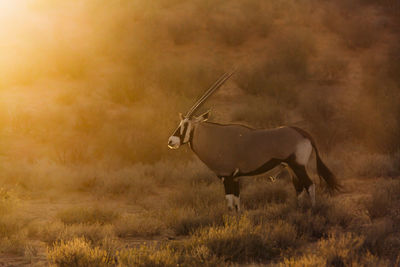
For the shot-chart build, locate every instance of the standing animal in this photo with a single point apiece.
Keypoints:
(234, 150)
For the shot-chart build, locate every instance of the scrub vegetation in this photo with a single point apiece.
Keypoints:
(90, 91)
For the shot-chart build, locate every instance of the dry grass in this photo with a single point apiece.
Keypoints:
(78, 252)
(55, 232)
(338, 250)
(85, 215)
(134, 225)
(258, 194)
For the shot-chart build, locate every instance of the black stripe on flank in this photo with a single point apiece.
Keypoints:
(269, 165)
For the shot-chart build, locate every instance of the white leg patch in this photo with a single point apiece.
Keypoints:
(303, 152)
(229, 200)
(311, 192)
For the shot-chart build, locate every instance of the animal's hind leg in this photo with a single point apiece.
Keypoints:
(303, 181)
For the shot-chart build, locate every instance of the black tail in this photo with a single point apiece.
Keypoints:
(322, 169)
(326, 174)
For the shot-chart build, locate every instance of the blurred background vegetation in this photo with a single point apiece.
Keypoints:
(87, 81)
(90, 91)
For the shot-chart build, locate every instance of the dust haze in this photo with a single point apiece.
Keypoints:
(90, 91)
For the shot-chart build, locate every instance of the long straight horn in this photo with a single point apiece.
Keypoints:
(202, 98)
(217, 84)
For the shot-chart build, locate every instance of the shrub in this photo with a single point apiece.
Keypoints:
(237, 240)
(316, 222)
(384, 200)
(378, 235)
(198, 197)
(184, 221)
(138, 225)
(56, 231)
(258, 194)
(15, 243)
(150, 256)
(135, 182)
(78, 252)
(78, 215)
(196, 202)
(338, 250)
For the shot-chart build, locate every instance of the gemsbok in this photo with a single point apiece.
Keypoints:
(235, 150)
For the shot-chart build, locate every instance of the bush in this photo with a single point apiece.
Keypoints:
(318, 221)
(138, 225)
(78, 215)
(338, 250)
(184, 221)
(238, 240)
(381, 238)
(197, 196)
(259, 194)
(56, 231)
(15, 243)
(150, 256)
(78, 252)
(384, 200)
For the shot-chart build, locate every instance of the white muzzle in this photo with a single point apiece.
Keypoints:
(174, 142)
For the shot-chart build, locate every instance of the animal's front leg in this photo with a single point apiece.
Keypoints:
(232, 193)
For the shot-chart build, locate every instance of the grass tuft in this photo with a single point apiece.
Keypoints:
(83, 215)
(78, 252)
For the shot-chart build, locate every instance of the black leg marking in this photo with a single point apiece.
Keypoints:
(297, 185)
(303, 180)
(269, 165)
(232, 186)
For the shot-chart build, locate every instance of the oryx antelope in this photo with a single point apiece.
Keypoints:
(234, 150)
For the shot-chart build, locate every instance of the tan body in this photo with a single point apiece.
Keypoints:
(229, 148)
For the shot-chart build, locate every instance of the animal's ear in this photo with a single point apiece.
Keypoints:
(181, 116)
(204, 116)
